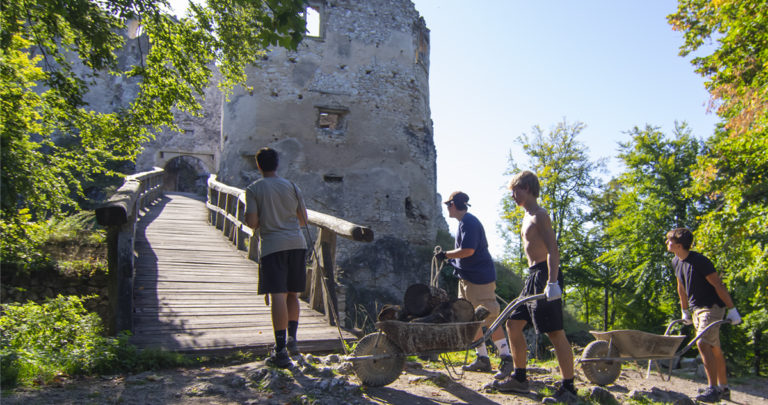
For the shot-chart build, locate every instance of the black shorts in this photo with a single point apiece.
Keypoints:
(283, 272)
(546, 316)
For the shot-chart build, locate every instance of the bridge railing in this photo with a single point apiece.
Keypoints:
(226, 207)
(119, 215)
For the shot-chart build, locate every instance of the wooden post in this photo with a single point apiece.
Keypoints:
(121, 258)
(327, 252)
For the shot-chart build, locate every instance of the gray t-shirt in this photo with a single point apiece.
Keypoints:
(276, 200)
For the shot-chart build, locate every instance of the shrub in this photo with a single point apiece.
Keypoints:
(39, 341)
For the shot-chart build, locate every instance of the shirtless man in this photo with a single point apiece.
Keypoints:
(543, 276)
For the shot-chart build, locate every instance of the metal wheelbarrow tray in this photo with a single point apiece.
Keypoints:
(379, 357)
(420, 338)
(601, 359)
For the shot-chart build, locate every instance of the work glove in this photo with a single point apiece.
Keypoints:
(553, 291)
(440, 256)
(733, 316)
(687, 318)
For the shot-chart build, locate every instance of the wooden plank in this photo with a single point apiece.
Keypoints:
(194, 291)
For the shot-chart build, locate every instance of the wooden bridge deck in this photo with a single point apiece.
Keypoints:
(194, 291)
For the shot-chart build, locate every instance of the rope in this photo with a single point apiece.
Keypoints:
(435, 268)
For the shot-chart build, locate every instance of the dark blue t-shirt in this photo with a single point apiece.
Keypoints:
(692, 273)
(478, 268)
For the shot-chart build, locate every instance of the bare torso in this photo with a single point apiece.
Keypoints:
(533, 241)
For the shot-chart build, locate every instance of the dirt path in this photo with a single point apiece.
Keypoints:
(326, 380)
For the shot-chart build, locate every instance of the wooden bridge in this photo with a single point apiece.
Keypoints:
(182, 277)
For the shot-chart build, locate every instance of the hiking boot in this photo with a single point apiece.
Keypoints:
(511, 384)
(292, 346)
(711, 394)
(565, 395)
(505, 367)
(279, 359)
(481, 363)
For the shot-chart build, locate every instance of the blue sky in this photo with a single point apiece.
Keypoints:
(498, 68)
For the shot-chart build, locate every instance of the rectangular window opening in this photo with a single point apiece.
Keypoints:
(312, 16)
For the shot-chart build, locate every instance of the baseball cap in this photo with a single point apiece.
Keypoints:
(458, 197)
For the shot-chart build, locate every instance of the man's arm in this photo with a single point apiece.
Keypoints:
(720, 289)
(544, 226)
(682, 294)
(301, 214)
(459, 253)
(252, 220)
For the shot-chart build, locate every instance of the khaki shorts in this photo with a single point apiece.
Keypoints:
(703, 317)
(481, 294)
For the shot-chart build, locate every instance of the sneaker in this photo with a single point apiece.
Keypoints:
(481, 363)
(725, 394)
(279, 359)
(292, 346)
(505, 367)
(567, 396)
(711, 394)
(511, 384)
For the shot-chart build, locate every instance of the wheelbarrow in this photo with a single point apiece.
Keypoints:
(601, 359)
(379, 357)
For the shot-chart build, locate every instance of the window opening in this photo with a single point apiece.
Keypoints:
(312, 16)
(329, 120)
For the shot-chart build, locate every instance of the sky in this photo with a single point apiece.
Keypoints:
(500, 67)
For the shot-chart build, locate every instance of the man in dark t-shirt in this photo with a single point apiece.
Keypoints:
(477, 279)
(701, 291)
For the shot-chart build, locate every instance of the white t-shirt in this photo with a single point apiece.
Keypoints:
(276, 200)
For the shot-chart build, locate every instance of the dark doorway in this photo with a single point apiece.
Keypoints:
(186, 174)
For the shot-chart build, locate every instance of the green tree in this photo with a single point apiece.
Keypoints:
(649, 203)
(53, 142)
(568, 178)
(733, 174)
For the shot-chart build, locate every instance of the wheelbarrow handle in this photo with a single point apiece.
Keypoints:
(504, 315)
(699, 335)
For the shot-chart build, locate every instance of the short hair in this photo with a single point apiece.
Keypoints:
(682, 236)
(526, 179)
(267, 159)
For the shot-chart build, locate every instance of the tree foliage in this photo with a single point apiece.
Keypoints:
(650, 203)
(53, 142)
(733, 174)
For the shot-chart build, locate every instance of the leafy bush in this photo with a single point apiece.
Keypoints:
(20, 241)
(38, 341)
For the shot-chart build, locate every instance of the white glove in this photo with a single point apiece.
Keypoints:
(552, 291)
(733, 316)
(687, 319)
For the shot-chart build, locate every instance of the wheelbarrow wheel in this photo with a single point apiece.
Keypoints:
(601, 372)
(378, 372)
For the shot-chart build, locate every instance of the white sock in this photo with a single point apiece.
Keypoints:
(481, 350)
(503, 347)
(722, 387)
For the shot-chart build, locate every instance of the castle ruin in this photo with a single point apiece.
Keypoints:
(349, 113)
